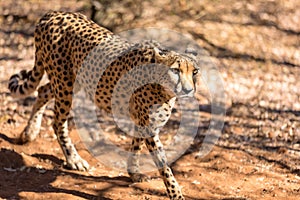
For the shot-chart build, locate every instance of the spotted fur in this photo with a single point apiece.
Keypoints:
(63, 41)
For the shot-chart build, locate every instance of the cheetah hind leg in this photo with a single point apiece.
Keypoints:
(133, 163)
(34, 123)
(62, 107)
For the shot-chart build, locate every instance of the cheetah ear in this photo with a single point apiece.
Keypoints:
(191, 50)
(160, 52)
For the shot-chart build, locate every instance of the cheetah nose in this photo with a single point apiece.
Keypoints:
(187, 91)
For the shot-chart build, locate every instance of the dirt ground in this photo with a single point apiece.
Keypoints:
(256, 47)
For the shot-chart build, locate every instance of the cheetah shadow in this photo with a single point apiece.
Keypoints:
(9, 139)
(16, 177)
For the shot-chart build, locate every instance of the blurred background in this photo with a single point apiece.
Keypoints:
(255, 45)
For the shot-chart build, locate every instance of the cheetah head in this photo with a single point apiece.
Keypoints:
(182, 71)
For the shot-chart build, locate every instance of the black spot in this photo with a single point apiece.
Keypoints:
(14, 88)
(69, 84)
(32, 79)
(26, 85)
(167, 175)
(152, 143)
(21, 89)
(168, 191)
(36, 73)
(62, 110)
(15, 76)
(67, 152)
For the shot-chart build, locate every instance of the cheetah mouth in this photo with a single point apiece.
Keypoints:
(189, 95)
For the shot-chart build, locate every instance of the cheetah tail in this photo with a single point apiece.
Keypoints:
(30, 81)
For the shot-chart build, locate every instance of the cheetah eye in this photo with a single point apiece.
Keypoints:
(175, 70)
(195, 72)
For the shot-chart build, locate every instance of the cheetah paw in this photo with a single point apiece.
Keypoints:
(27, 135)
(138, 177)
(77, 164)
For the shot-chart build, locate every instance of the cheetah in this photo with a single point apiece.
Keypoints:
(62, 42)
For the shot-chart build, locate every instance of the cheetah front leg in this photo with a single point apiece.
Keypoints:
(133, 164)
(61, 111)
(34, 123)
(155, 148)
